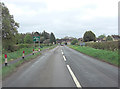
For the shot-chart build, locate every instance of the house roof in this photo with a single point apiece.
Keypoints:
(116, 36)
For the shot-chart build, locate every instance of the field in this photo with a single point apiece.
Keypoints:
(105, 55)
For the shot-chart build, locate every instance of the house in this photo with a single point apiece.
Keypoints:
(101, 39)
(80, 39)
(115, 37)
(66, 41)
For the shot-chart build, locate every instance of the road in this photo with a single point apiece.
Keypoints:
(64, 67)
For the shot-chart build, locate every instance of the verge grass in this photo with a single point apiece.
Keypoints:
(11, 68)
(18, 54)
(104, 55)
(6, 71)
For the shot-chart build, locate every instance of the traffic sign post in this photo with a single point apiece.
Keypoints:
(35, 39)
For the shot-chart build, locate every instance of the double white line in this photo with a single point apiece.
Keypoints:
(72, 74)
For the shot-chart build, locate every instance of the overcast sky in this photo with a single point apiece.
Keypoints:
(65, 17)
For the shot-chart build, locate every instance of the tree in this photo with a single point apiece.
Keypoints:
(45, 35)
(74, 41)
(89, 36)
(9, 29)
(46, 41)
(28, 39)
(41, 39)
(17, 37)
(109, 38)
(36, 34)
(52, 38)
(101, 36)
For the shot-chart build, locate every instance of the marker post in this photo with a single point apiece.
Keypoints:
(39, 49)
(23, 55)
(33, 51)
(6, 60)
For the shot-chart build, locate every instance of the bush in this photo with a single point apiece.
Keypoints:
(74, 41)
(113, 45)
(19, 46)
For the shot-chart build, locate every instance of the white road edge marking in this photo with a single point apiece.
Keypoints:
(74, 78)
(64, 58)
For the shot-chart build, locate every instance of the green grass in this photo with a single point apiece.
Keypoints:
(108, 56)
(9, 69)
(18, 54)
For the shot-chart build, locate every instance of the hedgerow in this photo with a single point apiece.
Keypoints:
(112, 45)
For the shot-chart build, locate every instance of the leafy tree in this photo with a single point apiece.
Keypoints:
(52, 38)
(47, 41)
(17, 37)
(21, 39)
(101, 36)
(74, 41)
(36, 34)
(109, 38)
(41, 39)
(89, 36)
(45, 35)
(9, 29)
(28, 39)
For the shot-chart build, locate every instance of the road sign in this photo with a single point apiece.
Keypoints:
(36, 38)
(82, 44)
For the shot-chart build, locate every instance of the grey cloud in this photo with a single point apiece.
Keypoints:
(64, 23)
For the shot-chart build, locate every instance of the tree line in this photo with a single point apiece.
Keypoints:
(90, 36)
(11, 37)
(27, 38)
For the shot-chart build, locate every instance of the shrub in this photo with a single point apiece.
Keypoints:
(74, 41)
(113, 45)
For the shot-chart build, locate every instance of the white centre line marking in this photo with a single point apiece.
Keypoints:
(62, 53)
(74, 78)
(64, 58)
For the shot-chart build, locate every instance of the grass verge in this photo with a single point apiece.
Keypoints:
(18, 54)
(6, 71)
(104, 55)
(11, 68)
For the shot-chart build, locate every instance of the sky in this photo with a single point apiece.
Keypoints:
(65, 17)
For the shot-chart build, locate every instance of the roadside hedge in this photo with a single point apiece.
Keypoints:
(20, 46)
(112, 45)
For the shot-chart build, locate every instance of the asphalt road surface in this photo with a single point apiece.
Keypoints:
(64, 67)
